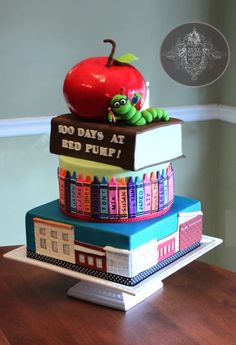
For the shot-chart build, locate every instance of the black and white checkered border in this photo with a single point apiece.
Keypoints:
(110, 276)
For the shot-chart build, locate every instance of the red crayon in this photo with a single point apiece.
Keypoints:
(79, 194)
(123, 199)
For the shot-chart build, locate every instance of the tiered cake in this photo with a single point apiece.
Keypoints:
(117, 217)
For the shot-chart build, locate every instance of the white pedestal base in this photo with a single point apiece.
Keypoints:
(111, 294)
(110, 297)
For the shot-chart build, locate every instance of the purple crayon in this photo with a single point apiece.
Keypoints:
(139, 196)
(95, 197)
(67, 191)
(161, 191)
(113, 198)
(104, 198)
(170, 181)
(147, 194)
(131, 189)
(165, 187)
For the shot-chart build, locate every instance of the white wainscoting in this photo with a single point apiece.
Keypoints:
(41, 125)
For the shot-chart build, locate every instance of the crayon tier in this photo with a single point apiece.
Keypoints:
(100, 192)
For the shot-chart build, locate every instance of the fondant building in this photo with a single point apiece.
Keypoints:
(126, 253)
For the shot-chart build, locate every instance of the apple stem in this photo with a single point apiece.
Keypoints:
(110, 57)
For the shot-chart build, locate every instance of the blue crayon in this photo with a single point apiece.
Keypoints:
(131, 189)
(104, 198)
(95, 196)
(67, 191)
(165, 183)
(161, 191)
(139, 196)
(73, 193)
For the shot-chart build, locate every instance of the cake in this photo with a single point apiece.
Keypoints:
(117, 217)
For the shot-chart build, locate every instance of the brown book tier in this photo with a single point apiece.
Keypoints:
(131, 148)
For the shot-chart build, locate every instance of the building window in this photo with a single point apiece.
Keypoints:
(53, 234)
(65, 236)
(90, 260)
(99, 263)
(42, 231)
(43, 243)
(66, 249)
(54, 246)
(81, 258)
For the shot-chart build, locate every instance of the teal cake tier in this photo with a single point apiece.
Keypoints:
(124, 236)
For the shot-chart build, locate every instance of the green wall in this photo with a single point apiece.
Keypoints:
(208, 173)
(227, 23)
(195, 175)
(41, 40)
(28, 179)
(226, 196)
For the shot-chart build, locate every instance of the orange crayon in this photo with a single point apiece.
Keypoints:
(123, 199)
(61, 180)
(87, 196)
(154, 189)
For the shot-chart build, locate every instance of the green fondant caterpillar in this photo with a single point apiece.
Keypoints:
(122, 109)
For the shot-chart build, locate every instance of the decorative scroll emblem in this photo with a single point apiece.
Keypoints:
(195, 54)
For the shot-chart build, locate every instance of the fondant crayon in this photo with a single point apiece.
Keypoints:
(73, 192)
(79, 194)
(123, 199)
(165, 184)
(87, 196)
(113, 198)
(104, 199)
(131, 190)
(67, 191)
(95, 197)
(139, 196)
(170, 180)
(147, 194)
(160, 191)
(62, 176)
(154, 188)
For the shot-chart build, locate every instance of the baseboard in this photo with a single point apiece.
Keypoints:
(204, 112)
(41, 125)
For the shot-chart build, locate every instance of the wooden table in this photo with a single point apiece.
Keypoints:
(196, 306)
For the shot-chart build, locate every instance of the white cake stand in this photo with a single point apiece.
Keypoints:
(114, 295)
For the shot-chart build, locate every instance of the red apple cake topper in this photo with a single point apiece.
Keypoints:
(87, 84)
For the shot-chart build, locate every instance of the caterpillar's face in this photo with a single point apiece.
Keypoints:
(120, 104)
